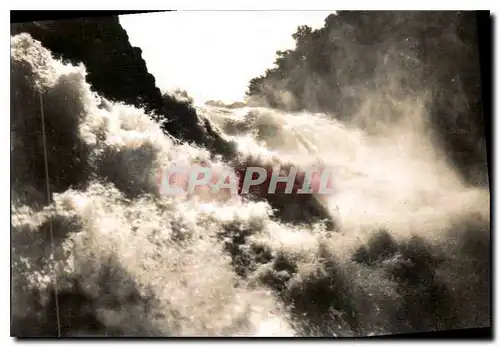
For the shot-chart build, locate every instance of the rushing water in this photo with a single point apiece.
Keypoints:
(409, 249)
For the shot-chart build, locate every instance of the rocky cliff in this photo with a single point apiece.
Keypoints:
(117, 71)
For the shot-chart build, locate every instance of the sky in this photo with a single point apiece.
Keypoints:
(214, 54)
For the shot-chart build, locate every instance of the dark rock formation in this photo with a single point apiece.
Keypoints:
(117, 71)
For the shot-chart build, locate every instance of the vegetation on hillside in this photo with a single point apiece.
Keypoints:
(388, 56)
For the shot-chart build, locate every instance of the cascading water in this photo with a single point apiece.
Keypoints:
(410, 249)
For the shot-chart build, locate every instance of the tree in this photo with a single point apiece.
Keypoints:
(357, 51)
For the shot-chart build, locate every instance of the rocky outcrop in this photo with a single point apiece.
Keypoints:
(117, 72)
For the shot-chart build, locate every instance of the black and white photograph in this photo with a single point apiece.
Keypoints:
(269, 173)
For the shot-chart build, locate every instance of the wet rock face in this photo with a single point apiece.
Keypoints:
(115, 68)
(117, 71)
